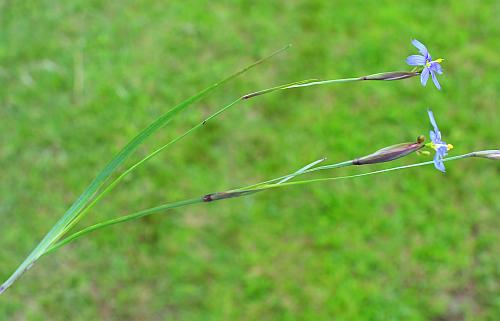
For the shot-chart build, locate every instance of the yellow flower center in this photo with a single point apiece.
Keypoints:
(436, 146)
(428, 63)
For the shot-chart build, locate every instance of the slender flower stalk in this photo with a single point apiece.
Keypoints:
(382, 155)
(386, 76)
(271, 186)
(208, 198)
(94, 192)
(383, 76)
(98, 188)
(424, 66)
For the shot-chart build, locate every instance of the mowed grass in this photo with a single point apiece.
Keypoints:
(80, 78)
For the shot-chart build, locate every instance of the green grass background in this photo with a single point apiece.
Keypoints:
(78, 79)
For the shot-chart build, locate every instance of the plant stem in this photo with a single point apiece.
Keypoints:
(113, 184)
(122, 219)
(238, 193)
(269, 186)
(385, 76)
(319, 168)
(303, 83)
(73, 214)
(325, 82)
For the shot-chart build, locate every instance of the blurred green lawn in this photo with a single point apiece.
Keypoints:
(80, 78)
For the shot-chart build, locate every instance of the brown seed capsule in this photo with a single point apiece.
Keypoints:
(391, 153)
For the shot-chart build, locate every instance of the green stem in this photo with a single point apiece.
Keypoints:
(72, 215)
(122, 219)
(113, 184)
(80, 213)
(237, 193)
(272, 89)
(269, 186)
(319, 168)
(302, 83)
(325, 82)
(391, 75)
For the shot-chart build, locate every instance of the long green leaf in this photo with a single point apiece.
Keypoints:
(59, 228)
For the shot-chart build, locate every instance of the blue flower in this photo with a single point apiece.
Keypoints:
(437, 144)
(431, 67)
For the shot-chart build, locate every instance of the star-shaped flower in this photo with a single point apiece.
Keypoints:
(430, 67)
(437, 144)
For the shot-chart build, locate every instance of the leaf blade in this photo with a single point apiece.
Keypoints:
(92, 189)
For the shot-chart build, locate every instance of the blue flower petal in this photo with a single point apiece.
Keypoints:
(420, 46)
(438, 163)
(435, 66)
(440, 146)
(434, 79)
(432, 135)
(432, 119)
(424, 76)
(415, 60)
(436, 134)
(442, 150)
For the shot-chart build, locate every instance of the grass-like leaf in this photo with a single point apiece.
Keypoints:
(72, 215)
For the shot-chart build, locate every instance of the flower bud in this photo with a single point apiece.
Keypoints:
(493, 154)
(390, 153)
(392, 75)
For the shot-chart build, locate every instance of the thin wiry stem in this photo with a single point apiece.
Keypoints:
(302, 83)
(270, 186)
(122, 219)
(113, 184)
(384, 76)
(289, 176)
(73, 214)
(237, 193)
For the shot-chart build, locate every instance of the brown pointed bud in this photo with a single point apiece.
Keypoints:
(390, 153)
(493, 154)
(392, 75)
(223, 195)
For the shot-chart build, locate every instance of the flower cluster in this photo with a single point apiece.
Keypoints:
(432, 68)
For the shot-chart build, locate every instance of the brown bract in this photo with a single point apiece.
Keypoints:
(390, 153)
(392, 75)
